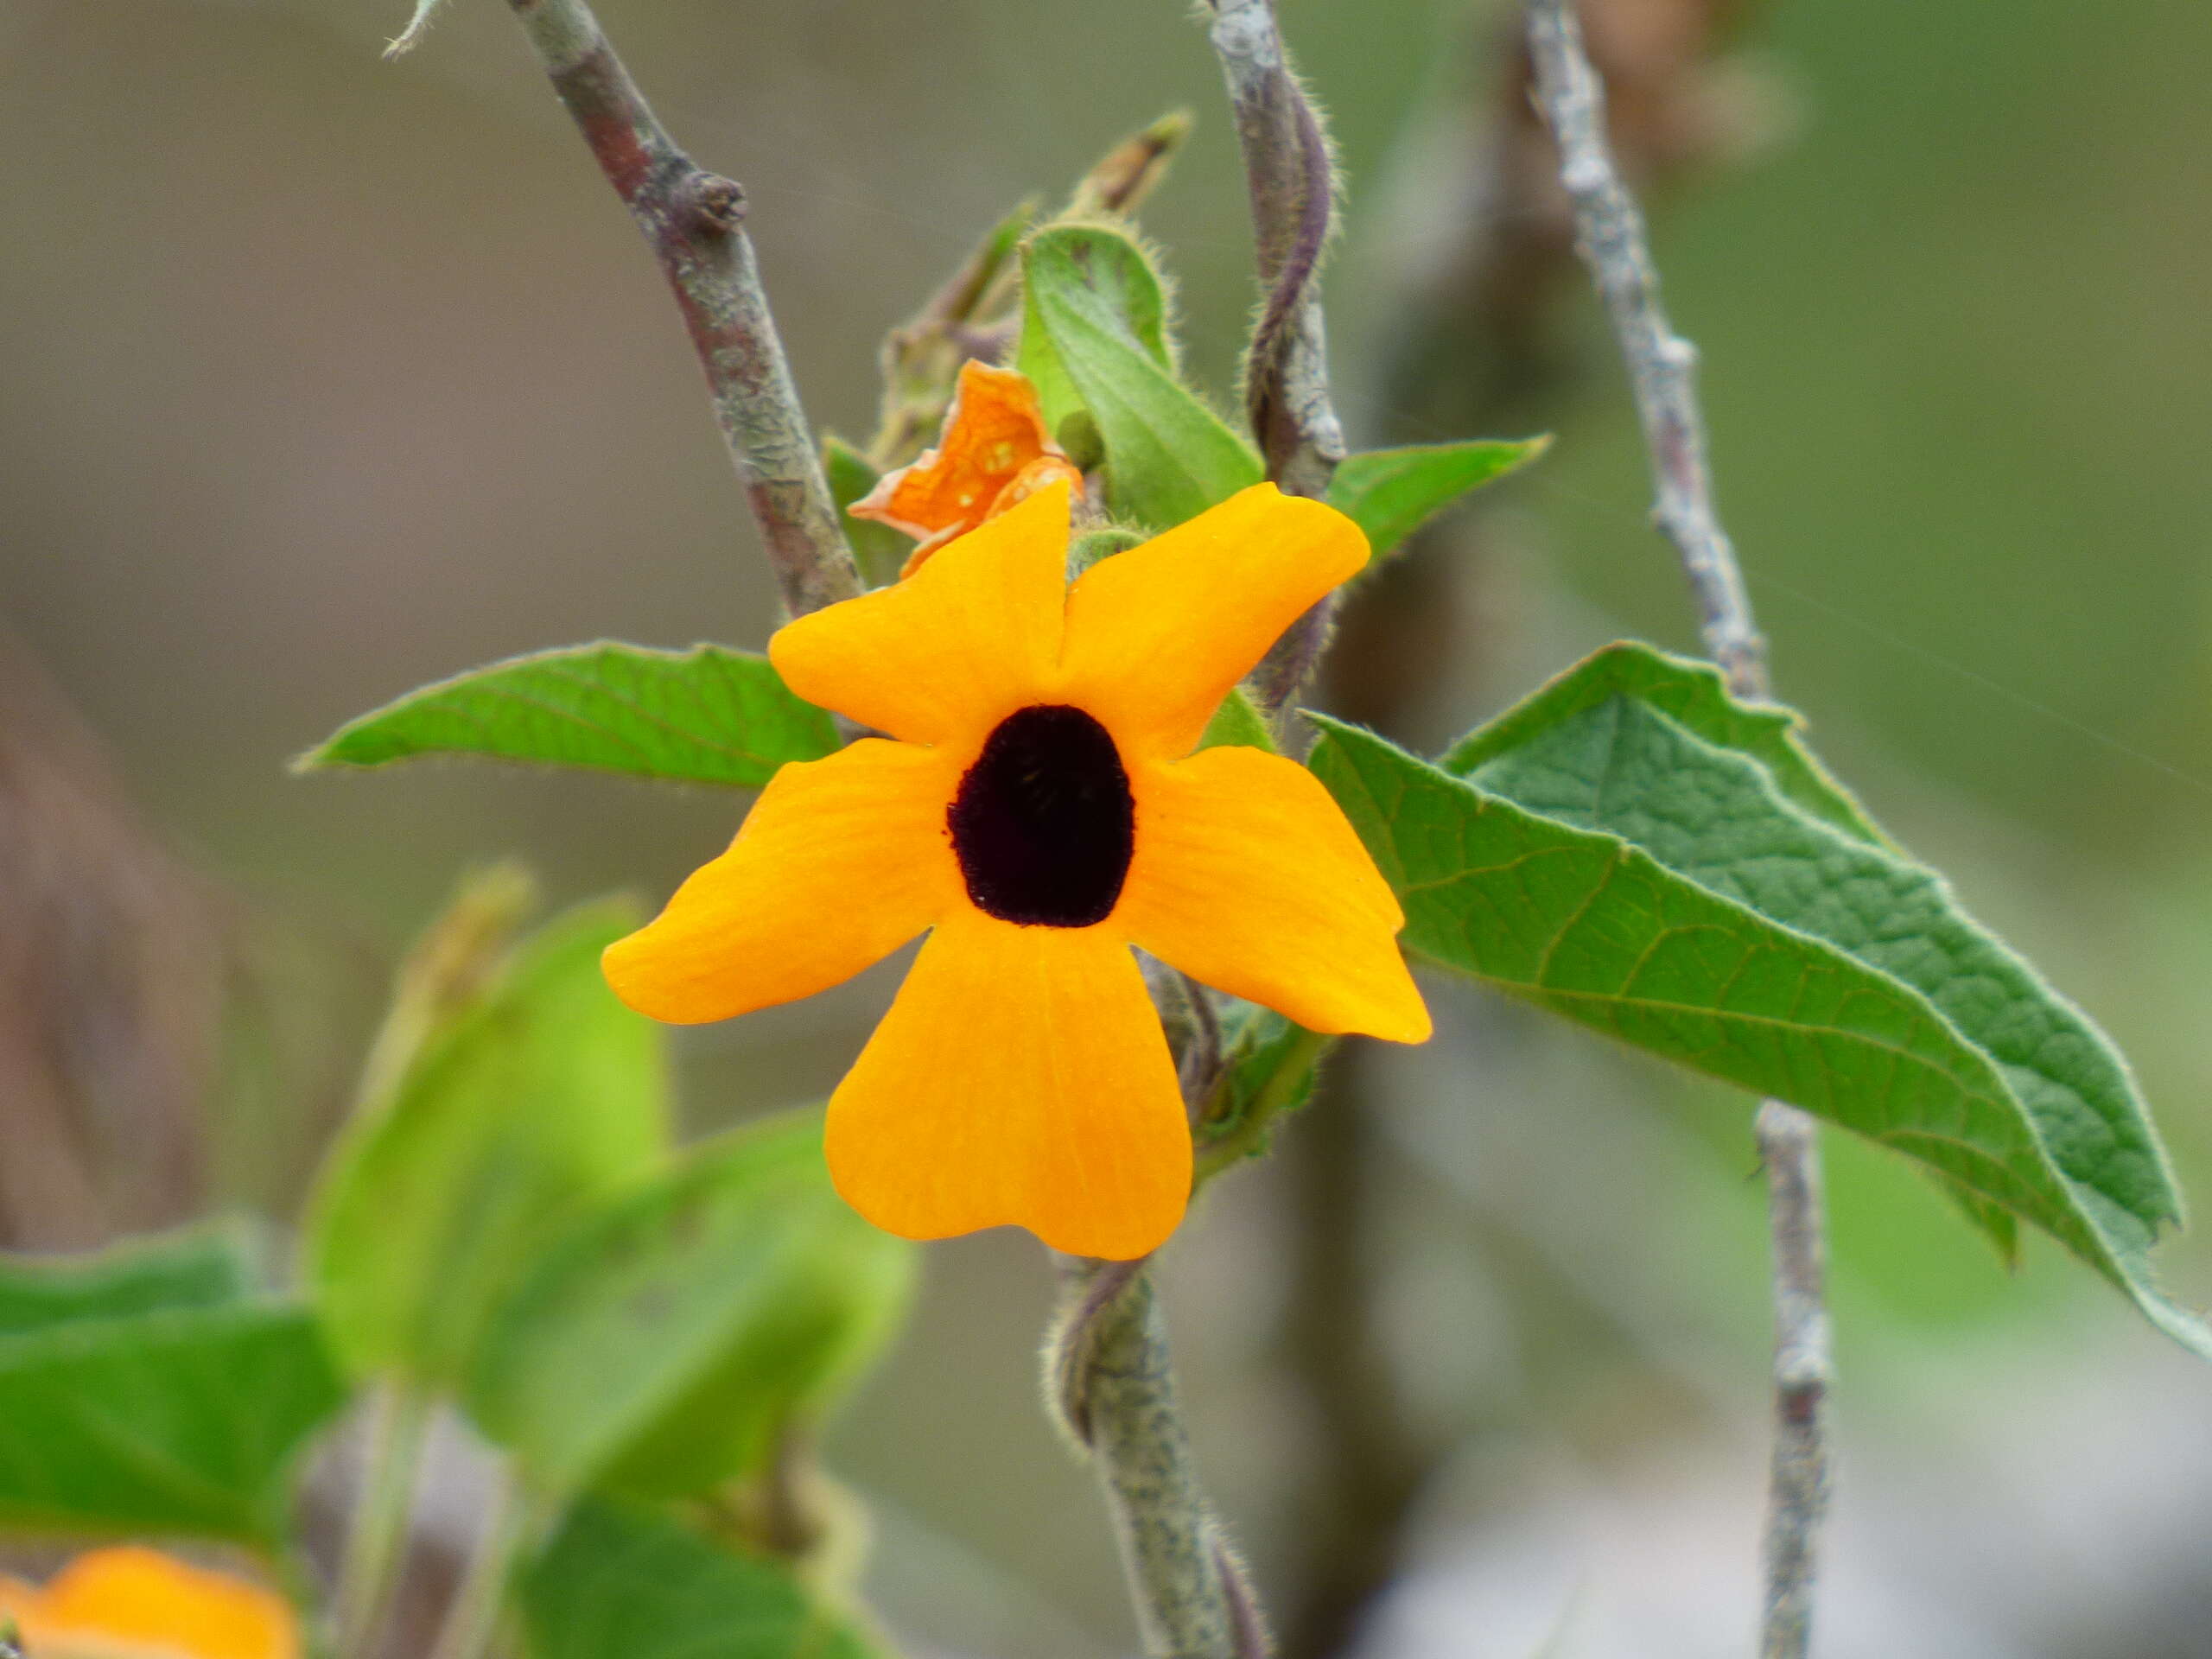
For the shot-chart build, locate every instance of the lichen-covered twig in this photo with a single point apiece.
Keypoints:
(1800, 1479)
(1110, 1374)
(1292, 181)
(1663, 367)
(693, 220)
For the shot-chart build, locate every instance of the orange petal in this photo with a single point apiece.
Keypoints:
(943, 655)
(1021, 1077)
(1157, 636)
(144, 1598)
(1038, 475)
(994, 429)
(839, 863)
(1247, 878)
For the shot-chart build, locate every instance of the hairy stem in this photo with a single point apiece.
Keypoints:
(1800, 1478)
(1290, 176)
(377, 1541)
(693, 220)
(1116, 1386)
(1663, 367)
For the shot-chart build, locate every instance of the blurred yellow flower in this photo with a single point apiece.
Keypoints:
(1038, 812)
(138, 1603)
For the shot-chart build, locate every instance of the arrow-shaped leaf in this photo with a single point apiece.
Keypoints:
(1616, 866)
(705, 715)
(1390, 493)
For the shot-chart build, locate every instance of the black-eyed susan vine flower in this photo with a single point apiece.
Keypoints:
(1038, 810)
(130, 1602)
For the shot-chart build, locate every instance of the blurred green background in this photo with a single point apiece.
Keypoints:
(324, 377)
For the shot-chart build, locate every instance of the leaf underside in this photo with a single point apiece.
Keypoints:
(541, 1099)
(1607, 860)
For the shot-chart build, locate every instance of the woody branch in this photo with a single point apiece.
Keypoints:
(693, 220)
(1662, 365)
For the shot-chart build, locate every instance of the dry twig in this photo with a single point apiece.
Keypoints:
(693, 220)
(1662, 369)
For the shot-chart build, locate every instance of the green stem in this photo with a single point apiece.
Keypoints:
(377, 1540)
(1116, 1388)
(480, 1605)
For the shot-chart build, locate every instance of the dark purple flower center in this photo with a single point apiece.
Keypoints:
(1044, 823)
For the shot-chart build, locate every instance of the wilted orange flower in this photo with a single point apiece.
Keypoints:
(1038, 812)
(992, 454)
(139, 1603)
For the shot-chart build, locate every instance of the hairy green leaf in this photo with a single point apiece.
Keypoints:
(1693, 693)
(881, 550)
(1618, 869)
(705, 715)
(545, 1097)
(1238, 722)
(198, 1267)
(622, 1582)
(1390, 493)
(184, 1420)
(1094, 341)
(658, 1348)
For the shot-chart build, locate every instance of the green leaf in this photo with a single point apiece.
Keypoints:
(881, 550)
(658, 1348)
(1390, 493)
(1618, 869)
(1690, 691)
(185, 1420)
(198, 1267)
(1094, 341)
(1110, 278)
(1239, 724)
(545, 1097)
(621, 1582)
(705, 715)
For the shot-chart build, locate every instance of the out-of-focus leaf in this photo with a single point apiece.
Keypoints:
(1615, 867)
(184, 1420)
(619, 1581)
(705, 715)
(544, 1099)
(1390, 493)
(198, 1266)
(1094, 341)
(660, 1346)
(881, 550)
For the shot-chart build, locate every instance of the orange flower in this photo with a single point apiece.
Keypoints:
(992, 454)
(139, 1603)
(1038, 812)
